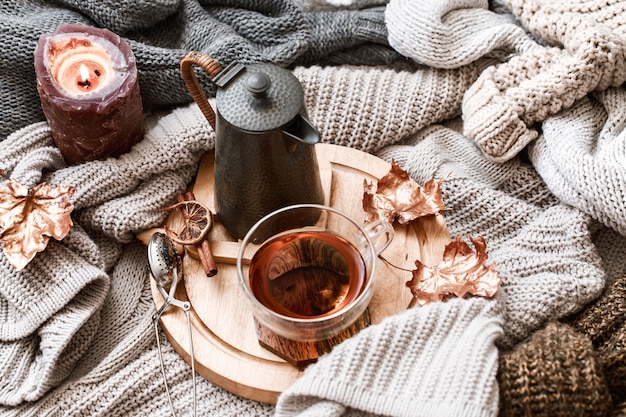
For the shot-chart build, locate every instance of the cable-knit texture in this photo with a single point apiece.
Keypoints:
(586, 52)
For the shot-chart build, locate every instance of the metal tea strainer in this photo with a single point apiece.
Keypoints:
(164, 263)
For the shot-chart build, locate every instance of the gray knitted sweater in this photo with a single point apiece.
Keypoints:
(435, 85)
(161, 32)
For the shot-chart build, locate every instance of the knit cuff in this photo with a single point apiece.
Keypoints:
(370, 25)
(501, 108)
(494, 120)
(439, 359)
(342, 29)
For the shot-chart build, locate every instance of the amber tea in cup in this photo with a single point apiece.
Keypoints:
(307, 274)
(308, 270)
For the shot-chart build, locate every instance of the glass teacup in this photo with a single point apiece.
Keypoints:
(308, 270)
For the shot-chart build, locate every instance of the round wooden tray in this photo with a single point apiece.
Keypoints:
(226, 349)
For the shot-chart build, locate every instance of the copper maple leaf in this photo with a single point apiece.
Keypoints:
(398, 197)
(461, 272)
(28, 218)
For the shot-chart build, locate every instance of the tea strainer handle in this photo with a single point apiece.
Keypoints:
(212, 67)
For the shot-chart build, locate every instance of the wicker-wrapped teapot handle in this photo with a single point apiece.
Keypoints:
(191, 81)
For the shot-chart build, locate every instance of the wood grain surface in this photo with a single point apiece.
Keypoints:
(226, 348)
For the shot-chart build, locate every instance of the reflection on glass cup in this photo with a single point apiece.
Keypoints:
(308, 270)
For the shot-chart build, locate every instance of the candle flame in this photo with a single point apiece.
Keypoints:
(84, 73)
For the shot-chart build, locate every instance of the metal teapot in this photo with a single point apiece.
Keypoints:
(264, 153)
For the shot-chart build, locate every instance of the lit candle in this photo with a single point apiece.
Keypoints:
(87, 83)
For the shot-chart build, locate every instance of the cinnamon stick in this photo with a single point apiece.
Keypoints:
(204, 248)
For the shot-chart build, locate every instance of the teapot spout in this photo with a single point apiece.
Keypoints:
(301, 129)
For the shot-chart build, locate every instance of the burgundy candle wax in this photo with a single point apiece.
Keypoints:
(87, 83)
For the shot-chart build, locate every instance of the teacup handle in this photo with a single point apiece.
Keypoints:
(191, 81)
(381, 234)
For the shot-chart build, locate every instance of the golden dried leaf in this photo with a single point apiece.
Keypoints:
(197, 220)
(461, 272)
(28, 218)
(398, 197)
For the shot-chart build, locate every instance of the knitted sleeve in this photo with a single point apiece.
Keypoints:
(452, 33)
(582, 153)
(311, 5)
(440, 359)
(50, 310)
(588, 53)
(121, 16)
(345, 37)
(367, 108)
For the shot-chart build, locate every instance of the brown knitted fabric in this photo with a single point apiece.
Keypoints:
(619, 410)
(554, 373)
(604, 321)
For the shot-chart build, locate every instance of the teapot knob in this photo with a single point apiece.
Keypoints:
(257, 83)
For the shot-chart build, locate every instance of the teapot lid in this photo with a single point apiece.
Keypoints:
(258, 97)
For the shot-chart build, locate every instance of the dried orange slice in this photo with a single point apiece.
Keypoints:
(197, 220)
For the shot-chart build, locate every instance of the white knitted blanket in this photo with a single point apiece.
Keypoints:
(522, 105)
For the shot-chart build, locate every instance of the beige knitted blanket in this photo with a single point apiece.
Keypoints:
(521, 104)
